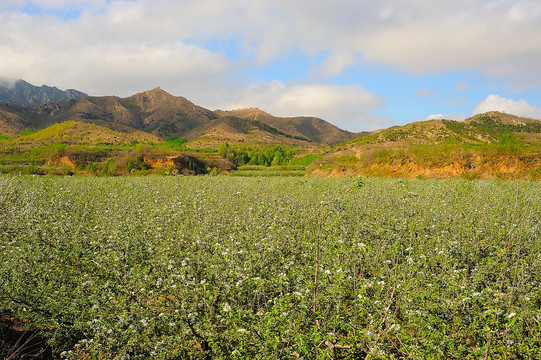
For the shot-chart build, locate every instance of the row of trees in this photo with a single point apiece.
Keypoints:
(257, 155)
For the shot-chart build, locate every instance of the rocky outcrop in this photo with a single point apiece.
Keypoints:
(187, 164)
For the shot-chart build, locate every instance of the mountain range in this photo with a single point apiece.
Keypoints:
(163, 115)
(22, 93)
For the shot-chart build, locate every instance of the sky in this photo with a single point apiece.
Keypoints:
(359, 64)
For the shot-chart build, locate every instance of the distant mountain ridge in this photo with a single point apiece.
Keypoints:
(312, 128)
(26, 94)
(163, 115)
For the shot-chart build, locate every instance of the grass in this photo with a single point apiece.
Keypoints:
(277, 170)
(28, 132)
(266, 173)
(271, 168)
(304, 160)
(34, 170)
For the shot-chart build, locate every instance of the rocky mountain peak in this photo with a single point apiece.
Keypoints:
(20, 92)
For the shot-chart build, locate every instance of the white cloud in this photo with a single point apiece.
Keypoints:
(498, 103)
(334, 64)
(7, 82)
(419, 36)
(348, 107)
(102, 56)
(459, 35)
(49, 4)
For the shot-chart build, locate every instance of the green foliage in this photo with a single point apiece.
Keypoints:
(490, 126)
(136, 163)
(34, 170)
(58, 149)
(141, 148)
(22, 169)
(92, 168)
(241, 268)
(27, 132)
(257, 155)
(346, 159)
(14, 156)
(365, 139)
(458, 127)
(269, 171)
(108, 168)
(175, 141)
(396, 135)
(223, 149)
(304, 160)
(358, 182)
(271, 168)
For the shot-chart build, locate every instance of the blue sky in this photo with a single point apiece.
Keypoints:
(359, 64)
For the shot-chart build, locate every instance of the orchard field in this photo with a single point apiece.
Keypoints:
(273, 268)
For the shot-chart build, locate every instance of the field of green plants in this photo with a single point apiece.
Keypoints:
(273, 268)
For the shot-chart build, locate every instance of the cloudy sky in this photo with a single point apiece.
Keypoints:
(360, 64)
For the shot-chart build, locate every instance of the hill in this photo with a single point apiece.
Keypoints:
(22, 93)
(311, 128)
(234, 130)
(154, 112)
(11, 124)
(479, 129)
(490, 145)
(163, 115)
(79, 133)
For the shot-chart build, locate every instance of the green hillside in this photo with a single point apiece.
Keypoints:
(490, 145)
